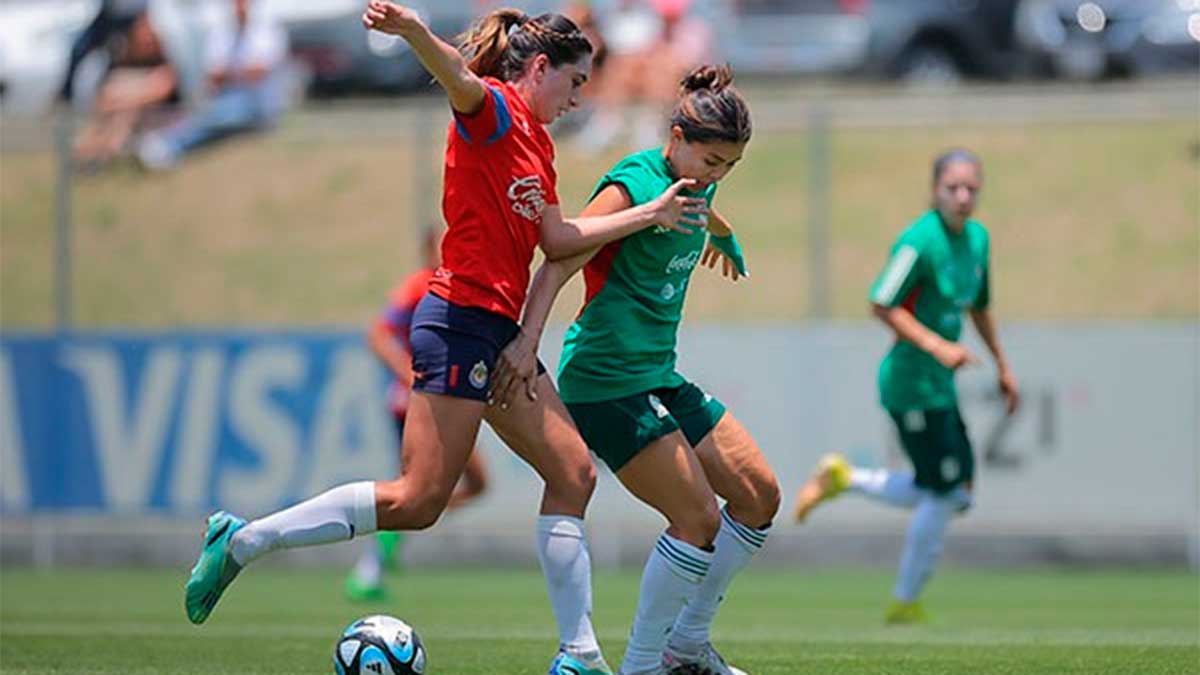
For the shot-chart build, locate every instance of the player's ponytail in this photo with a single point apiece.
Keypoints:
(710, 108)
(501, 44)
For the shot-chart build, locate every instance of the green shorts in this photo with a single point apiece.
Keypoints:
(936, 443)
(617, 430)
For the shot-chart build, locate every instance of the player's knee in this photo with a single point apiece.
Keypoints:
(401, 507)
(768, 502)
(578, 483)
(698, 526)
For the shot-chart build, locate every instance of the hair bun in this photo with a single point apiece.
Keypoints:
(711, 77)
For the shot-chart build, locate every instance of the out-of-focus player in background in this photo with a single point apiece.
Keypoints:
(939, 268)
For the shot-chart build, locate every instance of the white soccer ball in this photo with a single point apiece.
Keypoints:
(379, 645)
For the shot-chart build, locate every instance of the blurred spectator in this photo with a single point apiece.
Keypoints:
(245, 58)
(139, 82)
(651, 44)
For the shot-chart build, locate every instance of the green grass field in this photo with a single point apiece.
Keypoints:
(496, 622)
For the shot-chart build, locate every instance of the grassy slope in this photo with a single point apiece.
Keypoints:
(1088, 220)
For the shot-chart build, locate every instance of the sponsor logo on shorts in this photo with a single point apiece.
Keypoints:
(478, 376)
(667, 292)
(951, 469)
(914, 420)
(659, 408)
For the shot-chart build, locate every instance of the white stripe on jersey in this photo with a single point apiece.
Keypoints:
(894, 275)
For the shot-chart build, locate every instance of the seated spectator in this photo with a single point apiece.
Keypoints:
(245, 59)
(139, 83)
(651, 45)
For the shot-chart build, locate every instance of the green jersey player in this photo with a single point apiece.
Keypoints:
(939, 268)
(672, 445)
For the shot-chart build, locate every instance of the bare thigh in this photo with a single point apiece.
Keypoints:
(542, 433)
(667, 476)
(739, 472)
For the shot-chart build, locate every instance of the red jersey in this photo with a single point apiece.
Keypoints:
(499, 180)
(397, 319)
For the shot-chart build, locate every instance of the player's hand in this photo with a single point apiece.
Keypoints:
(954, 356)
(710, 257)
(390, 18)
(682, 214)
(1008, 387)
(516, 368)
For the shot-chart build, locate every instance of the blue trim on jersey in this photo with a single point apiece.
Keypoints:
(503, 118)
(462, 131)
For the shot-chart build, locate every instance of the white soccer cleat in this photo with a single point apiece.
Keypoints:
(704, 661)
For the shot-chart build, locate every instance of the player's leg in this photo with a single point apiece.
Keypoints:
(835, 475)
(667, 476)
(365, 581)
(541, 432)
(441, 433)
(936, 442)
(739, 473)
(443, 420)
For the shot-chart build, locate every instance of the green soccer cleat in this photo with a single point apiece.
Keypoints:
(905, 613)
(566, 663)
(358, 590)
(831, 478)
(215, 569)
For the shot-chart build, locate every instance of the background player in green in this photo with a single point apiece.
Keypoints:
(939, 268)
(669, 443)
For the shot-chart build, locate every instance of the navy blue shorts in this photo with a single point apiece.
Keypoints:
(455, 348)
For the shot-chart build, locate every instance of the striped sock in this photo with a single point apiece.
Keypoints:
(736, 544)
(673, 571)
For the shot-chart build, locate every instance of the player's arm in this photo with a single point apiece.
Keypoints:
(463, 87)
(518, 361)
(986, 325)
(383, 343)
(723, 245)
(568, 237)
(901, 277)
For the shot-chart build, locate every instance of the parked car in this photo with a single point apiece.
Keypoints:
(792, 36)
(1088, 40)
(942, 41)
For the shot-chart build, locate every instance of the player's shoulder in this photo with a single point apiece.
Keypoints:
(977, 232)
(648, 162)
(921, 232)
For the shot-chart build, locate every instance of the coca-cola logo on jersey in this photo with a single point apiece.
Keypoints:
(527, 197)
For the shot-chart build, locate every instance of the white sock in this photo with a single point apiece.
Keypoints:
(339, 514)
(563, 553)
(736, 544)
(889, 487)
(923, 544)
(369, 568)
(673, 572)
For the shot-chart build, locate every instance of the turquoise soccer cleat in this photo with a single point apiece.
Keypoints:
(567, 664)
(215, 569)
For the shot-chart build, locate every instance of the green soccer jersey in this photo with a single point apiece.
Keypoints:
(623, 341)
(937, 275)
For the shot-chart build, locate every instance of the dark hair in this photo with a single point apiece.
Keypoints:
(954, 156)
(501, 44)
(710, 108)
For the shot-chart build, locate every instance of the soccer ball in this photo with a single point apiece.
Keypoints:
(379, 645)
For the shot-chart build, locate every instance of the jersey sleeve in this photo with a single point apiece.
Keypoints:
(489, 123)
(635, 180)
(900, 275)
(984, 298)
